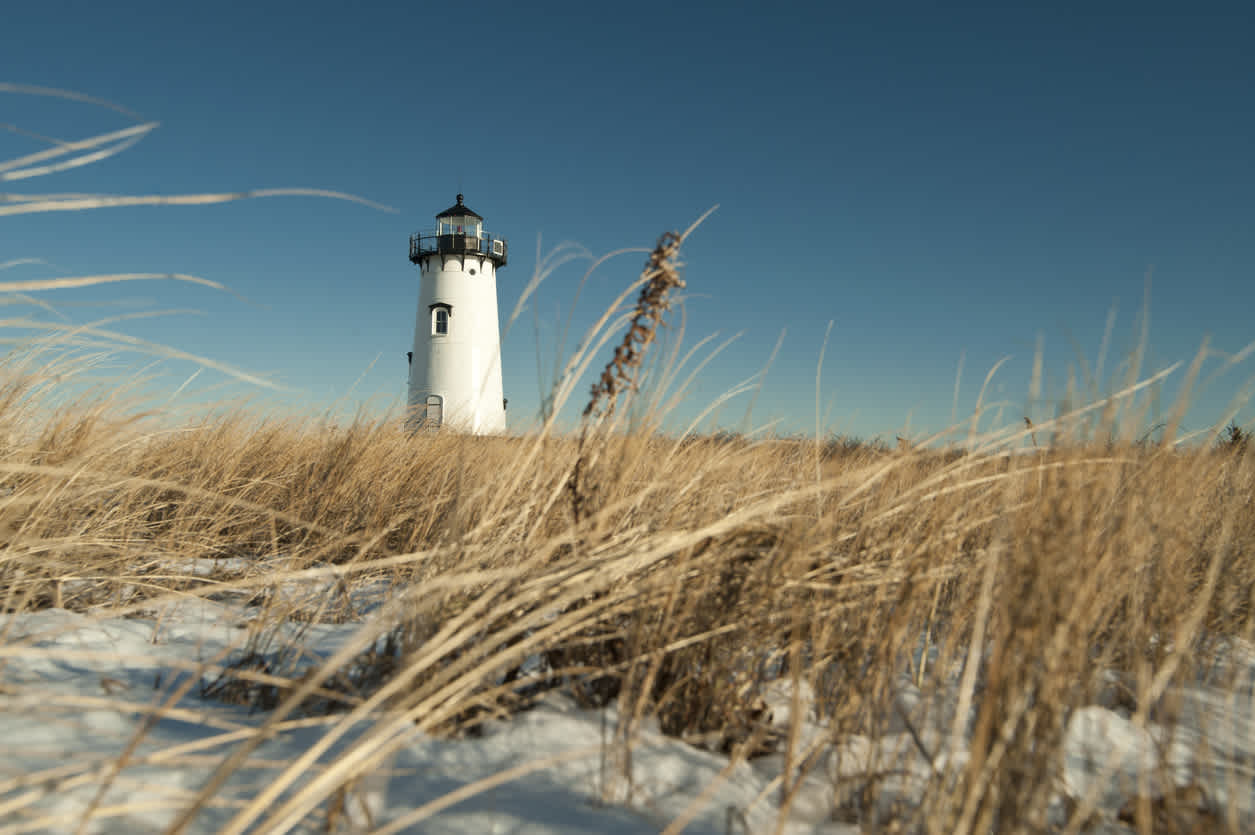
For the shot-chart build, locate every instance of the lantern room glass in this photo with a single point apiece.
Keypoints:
(463, 225)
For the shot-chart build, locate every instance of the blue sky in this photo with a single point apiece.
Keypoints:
(936, 182)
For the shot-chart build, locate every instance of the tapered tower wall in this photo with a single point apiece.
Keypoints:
(462, 366)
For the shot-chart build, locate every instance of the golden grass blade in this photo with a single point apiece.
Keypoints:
(76, 162)
(42, 304)
(123, 138)
(68, 95)
(92, 280)
(123, 340)
(33, 205)
(15, 129)
(18, 262)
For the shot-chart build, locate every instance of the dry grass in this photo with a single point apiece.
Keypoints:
(708, 567)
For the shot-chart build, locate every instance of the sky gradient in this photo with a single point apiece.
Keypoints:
(945, 186)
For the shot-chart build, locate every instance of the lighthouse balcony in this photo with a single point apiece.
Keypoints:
(424, 244)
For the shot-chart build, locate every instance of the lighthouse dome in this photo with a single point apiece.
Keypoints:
(459, 209)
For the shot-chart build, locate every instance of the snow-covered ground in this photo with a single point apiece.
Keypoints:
(79, 692)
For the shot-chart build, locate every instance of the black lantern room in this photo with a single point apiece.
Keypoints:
(459, 231)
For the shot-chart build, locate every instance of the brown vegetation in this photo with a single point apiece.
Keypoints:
(708, 567)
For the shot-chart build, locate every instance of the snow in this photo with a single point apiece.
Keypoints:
(208, 566)
(79, 691)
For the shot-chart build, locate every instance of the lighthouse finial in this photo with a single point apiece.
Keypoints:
(460, 198)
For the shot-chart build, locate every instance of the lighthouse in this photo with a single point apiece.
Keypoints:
(455, 367)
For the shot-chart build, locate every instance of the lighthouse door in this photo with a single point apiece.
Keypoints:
(435, 409)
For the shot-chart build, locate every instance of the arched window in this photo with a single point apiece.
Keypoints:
(440, 315)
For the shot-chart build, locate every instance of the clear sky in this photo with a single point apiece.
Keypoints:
(939, 183)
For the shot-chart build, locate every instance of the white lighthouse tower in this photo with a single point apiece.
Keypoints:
(455, 368)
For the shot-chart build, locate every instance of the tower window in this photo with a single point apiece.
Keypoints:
(441, 313)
